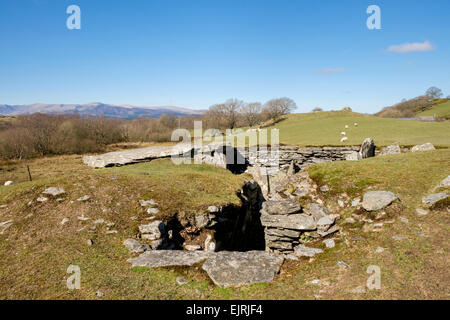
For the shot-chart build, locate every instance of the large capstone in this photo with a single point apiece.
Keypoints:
(233, 269)
(431, 199)
(167, 258)
(283, 207)
(423, 147)
(293, 221)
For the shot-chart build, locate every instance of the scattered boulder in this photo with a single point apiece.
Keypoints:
(341, 263)
(64, 221)
(444, 183)
(367, 149)
(147, 203)
(156, 233)
(135, 246)
(423, 147)
(42, 199)
(352, 156)
(393, 149)
(152, 211)
(90, 242)
(233, 269)
(376, 200)
(329, 243)
(356, 202)
(54, 191)
(293, 221)
(431, 199)
(8, 183)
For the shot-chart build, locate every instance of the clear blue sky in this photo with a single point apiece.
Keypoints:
(195, 53)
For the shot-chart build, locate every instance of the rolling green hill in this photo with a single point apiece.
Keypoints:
(440, 110)
(324, 128)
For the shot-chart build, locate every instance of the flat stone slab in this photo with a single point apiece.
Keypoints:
(169, 258)
(293, 221)
(283, 207)
(233, 269)
(377, 200)
(433, 198)
(54, 191)
(119, 158)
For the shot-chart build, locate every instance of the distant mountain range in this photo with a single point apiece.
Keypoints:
(97, 109)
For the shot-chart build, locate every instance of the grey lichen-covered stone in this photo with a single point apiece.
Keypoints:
(431, 199)
(393, 149)
(304, 251)
(119, 158)
(282, 233)
(54, 191)
(135, 246)
(167, 258)
(293, 221)
(367, 149)
(152, 231)
(331, 230)
(376, 200)
(84, 198)
(8, 183)
(317, 211)
(234, 269)
(423, 147)
(283, 207)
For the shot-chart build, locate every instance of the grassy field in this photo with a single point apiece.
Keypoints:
(324, 128)
(442, 109)
(36, 250)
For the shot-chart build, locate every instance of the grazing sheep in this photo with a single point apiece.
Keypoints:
(344, 139)
(346, 126)
(343, 133)
(355, 124)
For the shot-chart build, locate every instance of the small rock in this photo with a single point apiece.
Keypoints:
(135, 246)
(8, 183)
(398, 238)
(379, 250)
(3, 206)
(356, 202)
(329, 243)
(90, 242)
(213, 209)
(64, 221)
(42, 199)
(303, 251)
(324, 189)
(421, 212)
(349, 220)
(315, 281)
(342, 264)
(147, 203)
(111, 232)
(100, 294)
(152, 210)
(181, 281)
(403, 219)
(83, 218)
(291, 257)
(54, 191)
(83, 198)
(99, 221)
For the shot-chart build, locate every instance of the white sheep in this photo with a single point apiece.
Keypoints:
(346, 126)
(344, 139)
(355, 124)
(343, 133)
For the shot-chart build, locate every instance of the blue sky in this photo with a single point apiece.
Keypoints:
(195, 53)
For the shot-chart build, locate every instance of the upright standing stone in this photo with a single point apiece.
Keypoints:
(367, 148)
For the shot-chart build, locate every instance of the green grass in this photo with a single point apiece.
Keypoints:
(36, 250)
(324, 128)
(442, 109)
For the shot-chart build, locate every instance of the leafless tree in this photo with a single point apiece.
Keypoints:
(251, 113)
(276, 108)
(227, 113)
(434, 93)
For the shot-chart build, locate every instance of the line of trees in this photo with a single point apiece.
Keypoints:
(236, 113)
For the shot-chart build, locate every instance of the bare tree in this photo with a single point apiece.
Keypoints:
(434, 93)
(227, 113)
(276, 108)
(251, 113)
